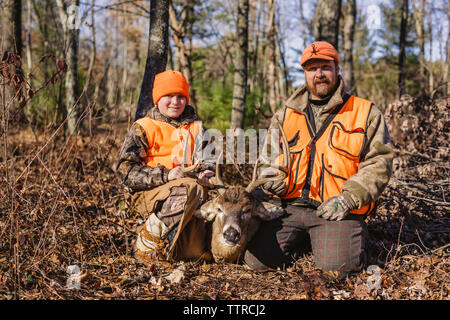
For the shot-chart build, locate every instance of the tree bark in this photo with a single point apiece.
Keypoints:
(156, 55)
(402, 55)
(447, 57)
(271, 57)
(180, 29)
(303, 24)
(12, 26)
(326, 21)
(12, 42)
(28, 39)
(419, 12)
(71, 37)
(349, 33)
(240, 67)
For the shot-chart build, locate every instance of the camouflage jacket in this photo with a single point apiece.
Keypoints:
(375, 168)
(131, 167)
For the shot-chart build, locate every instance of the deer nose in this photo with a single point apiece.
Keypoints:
(232, 235)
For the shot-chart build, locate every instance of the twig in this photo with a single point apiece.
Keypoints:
(445, 204)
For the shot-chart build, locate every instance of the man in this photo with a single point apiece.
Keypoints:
(341, 160)
(149, 165)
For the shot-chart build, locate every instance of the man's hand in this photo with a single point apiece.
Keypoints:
(175, 173)
(203, 178)
(336, 208)
(274, 187)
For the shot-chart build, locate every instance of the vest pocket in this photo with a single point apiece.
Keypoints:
(330, 184)
(348, 143)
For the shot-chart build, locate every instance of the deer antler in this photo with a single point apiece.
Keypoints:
(283, 170)
(189, 169)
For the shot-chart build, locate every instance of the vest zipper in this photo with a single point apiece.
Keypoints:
(312, 144)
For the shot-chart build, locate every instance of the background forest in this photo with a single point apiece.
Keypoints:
(75, 74)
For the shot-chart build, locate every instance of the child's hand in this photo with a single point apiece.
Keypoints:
(203, 178)
(175, 173)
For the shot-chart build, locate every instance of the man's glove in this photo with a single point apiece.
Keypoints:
(336, 208)
(274, 187)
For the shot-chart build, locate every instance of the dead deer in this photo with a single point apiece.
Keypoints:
(234, 210)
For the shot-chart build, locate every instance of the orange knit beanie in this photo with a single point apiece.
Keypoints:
(169, 82)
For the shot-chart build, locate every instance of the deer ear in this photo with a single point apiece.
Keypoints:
(268, 211)
(207, 211)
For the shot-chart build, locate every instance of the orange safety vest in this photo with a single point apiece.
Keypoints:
(321, 163)
(166, 142)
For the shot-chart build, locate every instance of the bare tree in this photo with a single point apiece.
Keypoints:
(303, 23)
(181, 28)
(11, 40)
(71, 38)
(326, 21)
(402, 55)
(156, 55)
(240, 66)
(447, 56)
(349, 34)
(419, 13)
(271, 56)
(12, 26)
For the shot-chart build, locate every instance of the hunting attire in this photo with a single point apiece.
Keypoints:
(153, 146)
(339, 147)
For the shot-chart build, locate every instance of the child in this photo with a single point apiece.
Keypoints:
(149, 165)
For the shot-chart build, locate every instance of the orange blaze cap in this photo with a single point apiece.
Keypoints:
(319, 50)
(170, 82)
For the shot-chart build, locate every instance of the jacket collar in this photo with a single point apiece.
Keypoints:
(299, 99)
(189, 115)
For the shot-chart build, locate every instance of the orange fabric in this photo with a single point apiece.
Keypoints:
(319, 50)
(169, 82)
(166, 142)
(334, 156)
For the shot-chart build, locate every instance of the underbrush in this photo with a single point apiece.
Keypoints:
(66, 230)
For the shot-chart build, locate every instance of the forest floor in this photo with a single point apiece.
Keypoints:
(62, 210)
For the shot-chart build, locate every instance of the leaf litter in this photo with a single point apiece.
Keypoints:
(63, 206)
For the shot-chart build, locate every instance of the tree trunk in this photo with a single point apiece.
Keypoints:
(72, 82)
(431, 44)
(349, 33)
(156, 55)
(71, 37)
(240, 67)
(12, 42)
(402, 55)
(326, 21)
(28, 39)
(447, 58)
(180, 29)
(12, 26)
(419, 12)
(303, 24)
(271, 57)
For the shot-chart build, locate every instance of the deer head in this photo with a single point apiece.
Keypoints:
(233, 209)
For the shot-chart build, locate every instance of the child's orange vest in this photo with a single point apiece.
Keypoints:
(166, 142)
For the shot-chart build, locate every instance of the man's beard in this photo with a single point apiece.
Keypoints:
(322, 91)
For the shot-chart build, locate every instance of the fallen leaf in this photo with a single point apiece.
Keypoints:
(177, 275)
